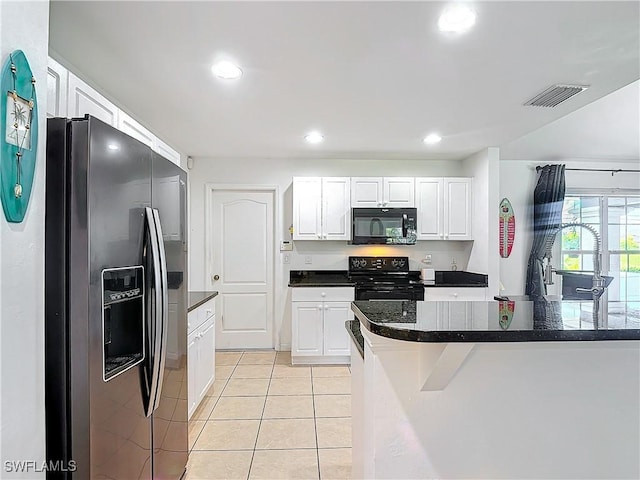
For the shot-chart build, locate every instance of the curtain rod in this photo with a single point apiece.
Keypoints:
(612, 170)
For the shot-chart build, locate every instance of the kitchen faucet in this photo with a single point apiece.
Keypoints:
(598, 284)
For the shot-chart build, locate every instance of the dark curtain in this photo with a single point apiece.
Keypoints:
(548, 198)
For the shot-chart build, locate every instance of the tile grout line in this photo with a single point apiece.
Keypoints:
(315, 426)
(264, 406)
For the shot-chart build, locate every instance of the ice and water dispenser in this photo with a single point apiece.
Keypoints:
(123, 319)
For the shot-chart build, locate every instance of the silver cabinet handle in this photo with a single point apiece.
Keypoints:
(319, 307)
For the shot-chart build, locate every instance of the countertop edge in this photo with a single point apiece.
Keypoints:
(494, 336)
(353, 328)
(208, 296)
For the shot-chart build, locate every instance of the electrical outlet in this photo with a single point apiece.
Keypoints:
(427, 259)
(308, 260)
(286, 258)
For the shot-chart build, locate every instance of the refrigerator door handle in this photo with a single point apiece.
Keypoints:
(163, 318)
(155, 333)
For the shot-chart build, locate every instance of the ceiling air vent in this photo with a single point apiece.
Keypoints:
(555, 95)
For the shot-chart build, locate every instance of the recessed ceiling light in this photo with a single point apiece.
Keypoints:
(432, 138)
(314, 137)
(226, 70)
(456, 18)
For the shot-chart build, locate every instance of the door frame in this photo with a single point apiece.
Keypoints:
(276, 268)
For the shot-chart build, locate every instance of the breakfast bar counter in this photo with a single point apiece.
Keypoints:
(510, 389)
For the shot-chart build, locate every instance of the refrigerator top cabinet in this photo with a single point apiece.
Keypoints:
(115, 358)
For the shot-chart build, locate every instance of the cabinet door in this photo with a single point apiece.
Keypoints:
(335, 335)
(192, 364)
(457, 209)
(430, 206)
(398, 192)
(134, 129)
(57, 82)
(336, 208)
(366, 192)
(307, 208)
(306, 328)
(168, 200)
(206, 347)
(455, 315)
(83, 99)
(165, 150)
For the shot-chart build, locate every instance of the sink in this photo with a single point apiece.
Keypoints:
(573, 280)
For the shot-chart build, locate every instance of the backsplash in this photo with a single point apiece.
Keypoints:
(333, 255)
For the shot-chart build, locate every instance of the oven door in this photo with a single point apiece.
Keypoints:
(389, 292)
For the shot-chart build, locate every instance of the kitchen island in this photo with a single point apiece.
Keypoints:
(493, 390)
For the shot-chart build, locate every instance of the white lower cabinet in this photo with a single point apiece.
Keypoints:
(200, 353)
(453, 308)
(451, 294)
(318, 333)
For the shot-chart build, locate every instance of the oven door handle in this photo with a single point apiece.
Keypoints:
(404, 225)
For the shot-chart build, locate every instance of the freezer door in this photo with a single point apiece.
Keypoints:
(118, 190)
(170, 427)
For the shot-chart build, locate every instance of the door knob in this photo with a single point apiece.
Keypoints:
(216, 277)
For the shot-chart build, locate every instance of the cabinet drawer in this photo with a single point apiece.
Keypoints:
(192, 321)
(207, 310)
(200, 315)
(444, 294)
(319, 294)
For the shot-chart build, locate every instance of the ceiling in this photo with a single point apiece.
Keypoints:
(607, 129)
(373, 77)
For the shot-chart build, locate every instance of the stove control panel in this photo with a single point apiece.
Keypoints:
(384, 264)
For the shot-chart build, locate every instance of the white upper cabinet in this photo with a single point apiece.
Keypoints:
(366, 192)
(457, 208)
(336, 210)
(84, 100)
(307, 206)
(321, 208)
(68, 96)
(57, 79)
(377, 192)
(134, 129)
(444, 208)
(165, 150)
(430, 206)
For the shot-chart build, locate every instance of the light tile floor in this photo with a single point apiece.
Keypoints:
(264, 419)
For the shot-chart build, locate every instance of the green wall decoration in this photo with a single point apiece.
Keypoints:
(18, 135)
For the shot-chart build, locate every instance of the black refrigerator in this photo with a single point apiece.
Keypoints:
(115, 306)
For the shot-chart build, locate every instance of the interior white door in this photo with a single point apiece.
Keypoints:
(241, 268)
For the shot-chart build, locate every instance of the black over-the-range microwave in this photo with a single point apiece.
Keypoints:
(383, 226)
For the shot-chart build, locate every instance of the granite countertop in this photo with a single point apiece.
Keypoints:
(450, 278)
(320, 278)
(195, 299)
(509, 321)
(340, 278)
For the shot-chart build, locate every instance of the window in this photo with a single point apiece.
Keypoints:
(617, 220)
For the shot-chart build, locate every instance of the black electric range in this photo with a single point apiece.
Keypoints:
(385, 278)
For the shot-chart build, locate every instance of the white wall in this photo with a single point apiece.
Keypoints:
(483, 167)
(24, 25)
(325, 255)
(517, 182)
